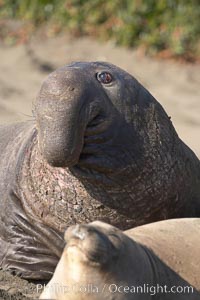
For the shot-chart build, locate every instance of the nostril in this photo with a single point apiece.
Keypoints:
(71, 89)
(79, 232)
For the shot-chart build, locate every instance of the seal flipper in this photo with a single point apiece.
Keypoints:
(28, 248)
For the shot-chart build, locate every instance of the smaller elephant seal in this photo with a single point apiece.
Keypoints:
(153, 261)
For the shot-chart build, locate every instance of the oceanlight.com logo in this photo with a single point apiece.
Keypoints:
(150, 289)
(114, 289)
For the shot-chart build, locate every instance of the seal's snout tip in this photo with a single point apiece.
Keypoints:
(89, 244)
(62, 163)
(79, 232)
(56, 154)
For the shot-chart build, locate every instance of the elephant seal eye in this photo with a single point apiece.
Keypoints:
(104, 77)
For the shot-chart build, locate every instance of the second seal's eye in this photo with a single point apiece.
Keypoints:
(104, 77)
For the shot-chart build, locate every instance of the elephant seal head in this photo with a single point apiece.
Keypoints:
(96, 244)
(95, 118)
(97, 261)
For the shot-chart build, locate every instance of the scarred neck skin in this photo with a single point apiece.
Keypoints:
(61, 199)
(125, 197)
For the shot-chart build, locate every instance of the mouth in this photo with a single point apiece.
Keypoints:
(94, 157)
(96, 126)
(79, 252)
(76, 254)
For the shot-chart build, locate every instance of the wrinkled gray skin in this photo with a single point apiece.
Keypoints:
(153, 261)
(95, 151)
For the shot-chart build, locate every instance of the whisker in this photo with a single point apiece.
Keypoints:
(26, 115)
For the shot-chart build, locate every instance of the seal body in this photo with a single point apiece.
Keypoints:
(101, 147)
(150, 261)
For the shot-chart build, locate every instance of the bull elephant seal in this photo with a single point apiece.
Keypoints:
(153, 261)
(100, 147)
